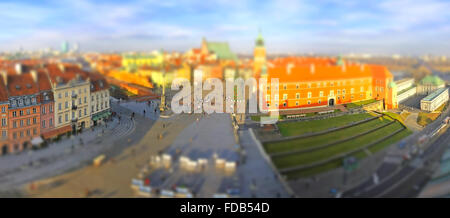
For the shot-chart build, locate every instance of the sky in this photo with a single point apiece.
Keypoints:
(407, 27)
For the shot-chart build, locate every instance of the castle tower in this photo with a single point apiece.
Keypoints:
(259, 55)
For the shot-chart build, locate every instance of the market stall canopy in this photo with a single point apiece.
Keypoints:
(37, 140)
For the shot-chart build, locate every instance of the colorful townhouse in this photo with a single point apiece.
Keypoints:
(99, 99)
(4, 104)
(40, 102)
(24, 107)
(48, 129)
(71, 91)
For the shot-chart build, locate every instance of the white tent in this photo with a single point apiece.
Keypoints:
(37, 141)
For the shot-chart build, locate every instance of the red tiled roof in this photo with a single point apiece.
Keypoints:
(3, 91)
(21, 84)
(43, 80)
(317, 73)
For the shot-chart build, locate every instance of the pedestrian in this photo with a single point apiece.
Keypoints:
(144, 113)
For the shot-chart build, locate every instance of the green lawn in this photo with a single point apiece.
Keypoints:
(302, 127)
(338, 163)
(317, 155)
(395, 116)
(360, 103)
(323, 139)
(397, 137)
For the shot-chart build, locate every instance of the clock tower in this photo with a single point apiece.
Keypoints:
(259, 55)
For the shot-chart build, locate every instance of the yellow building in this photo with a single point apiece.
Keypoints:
(71, 90)
(134, 61)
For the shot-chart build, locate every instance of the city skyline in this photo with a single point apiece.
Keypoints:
(379, 27)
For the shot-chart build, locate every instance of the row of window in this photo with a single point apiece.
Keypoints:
(325, 84)
(44, 109)
(319, 101)
(28, 121)
(80, 113)
(321, 94)
(50, 123)
(22, 134)
(66, 104)
(23, 102)
(21, 112)
(66, 94)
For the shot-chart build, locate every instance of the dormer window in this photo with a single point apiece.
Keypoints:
(101, 84)
(92, 86)
(28, 86)
(17, 87)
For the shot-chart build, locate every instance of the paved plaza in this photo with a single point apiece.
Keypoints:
(209, 138)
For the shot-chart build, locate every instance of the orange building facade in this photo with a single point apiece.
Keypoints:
(328, 85)
(306, 82)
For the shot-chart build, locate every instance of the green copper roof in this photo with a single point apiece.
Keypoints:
(339, 61)
(259, 40)
(432, 80)
(222, 50)
(392, 84)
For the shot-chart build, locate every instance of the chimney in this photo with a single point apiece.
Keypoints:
(343, 67)
(34, 75)
(5, 77)
(312, 68)
(61, 67)
(289, 67)
(362, 67)
(18, 68)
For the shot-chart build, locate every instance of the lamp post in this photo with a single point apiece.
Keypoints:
(163, 94)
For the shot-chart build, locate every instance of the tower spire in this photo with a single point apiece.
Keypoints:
(259, 39)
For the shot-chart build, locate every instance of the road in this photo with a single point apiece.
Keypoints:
(70, 154)
(405, 178)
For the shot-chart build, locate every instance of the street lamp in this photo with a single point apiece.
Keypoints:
(163, 94)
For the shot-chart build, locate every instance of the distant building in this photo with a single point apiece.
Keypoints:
(133, 61)
(434, 100)
(430, 83)
(404, 84)
(65, 47)
(218, 50)
(405, 89)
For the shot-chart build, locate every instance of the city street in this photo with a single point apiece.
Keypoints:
(73, 153)
(398, 177)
